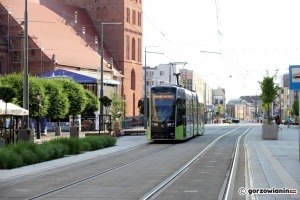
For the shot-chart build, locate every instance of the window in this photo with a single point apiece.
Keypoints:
(139, 19)
(132, 79)
(127, 53)
(161, 73)
(128, 15)
(161, 82)
(133, 49)
(133, 17)
(139, 50)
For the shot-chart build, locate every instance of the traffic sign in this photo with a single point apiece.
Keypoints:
(294, 75)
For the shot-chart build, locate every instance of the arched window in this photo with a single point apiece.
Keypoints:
(132, 79)
(133, 49)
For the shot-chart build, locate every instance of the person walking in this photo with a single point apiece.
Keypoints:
(278, 122)
(289, 121)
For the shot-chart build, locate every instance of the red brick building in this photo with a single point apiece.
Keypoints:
(65, 34)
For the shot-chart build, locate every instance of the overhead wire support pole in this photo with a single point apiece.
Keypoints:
(145, 87)
(26, 78)
(101, 67)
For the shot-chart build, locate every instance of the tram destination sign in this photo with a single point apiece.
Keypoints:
(163, 96)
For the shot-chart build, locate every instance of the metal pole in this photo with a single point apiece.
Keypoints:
(102, 57)
(26, 78)
(38, 136)
(145, 91)
(101, 77)
(298, 120)
(145, 88)
(8, 39)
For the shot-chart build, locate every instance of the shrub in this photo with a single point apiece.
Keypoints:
(29, 157)
(26, 153)
(85, 146)
(10, 159)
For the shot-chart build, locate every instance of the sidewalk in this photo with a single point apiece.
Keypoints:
(273, 163)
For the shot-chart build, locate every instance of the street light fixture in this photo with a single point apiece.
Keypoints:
(38, 98)
(102, 55)
(145, 84)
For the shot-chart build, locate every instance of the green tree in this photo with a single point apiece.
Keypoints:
(106, 102)
(7, 93)
(76, 95)
(117, 106)
(59, 106)
(296, 108)
(92, 102)
(269, 93)
(15, 81)
(141, 106)
(37, 108)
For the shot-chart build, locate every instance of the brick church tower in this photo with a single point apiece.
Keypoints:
(122, 42)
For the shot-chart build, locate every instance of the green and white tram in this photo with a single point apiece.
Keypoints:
(174, 114)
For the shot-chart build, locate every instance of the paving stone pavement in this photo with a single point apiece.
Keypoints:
(273, 165)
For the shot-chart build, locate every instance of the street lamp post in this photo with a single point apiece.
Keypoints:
(38, 97)
(102, 55)
(145, 86)
(25, 67)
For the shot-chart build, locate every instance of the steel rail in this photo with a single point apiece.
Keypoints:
(168, 180)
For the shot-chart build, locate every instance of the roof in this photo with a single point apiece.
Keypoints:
(80, 77)
(51, 25)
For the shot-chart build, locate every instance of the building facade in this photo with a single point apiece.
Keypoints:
(66, 34)
(123, 42)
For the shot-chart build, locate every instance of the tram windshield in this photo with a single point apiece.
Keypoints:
(163, 107)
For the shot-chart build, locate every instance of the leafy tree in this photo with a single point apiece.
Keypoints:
(296, 108)
(59, 106)
(117, 106)
(76, 95)
(106, 102)
(35, 107)
(7, 93)
(15, 81)
(92, 102)
(141, 106)
(269, 93)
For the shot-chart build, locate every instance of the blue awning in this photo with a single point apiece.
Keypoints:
(60, 73)
(83, 77)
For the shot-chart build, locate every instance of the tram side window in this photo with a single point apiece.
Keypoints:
(181, 112)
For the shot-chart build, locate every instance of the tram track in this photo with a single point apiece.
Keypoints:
(44, 194)
(121, 163)
(227, 183)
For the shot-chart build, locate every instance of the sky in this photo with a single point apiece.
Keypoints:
(229, 43)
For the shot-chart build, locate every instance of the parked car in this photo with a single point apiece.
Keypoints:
(235, 120)
(231, 120)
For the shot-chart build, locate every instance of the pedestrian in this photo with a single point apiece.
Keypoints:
(278, 122)
(289, 121)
